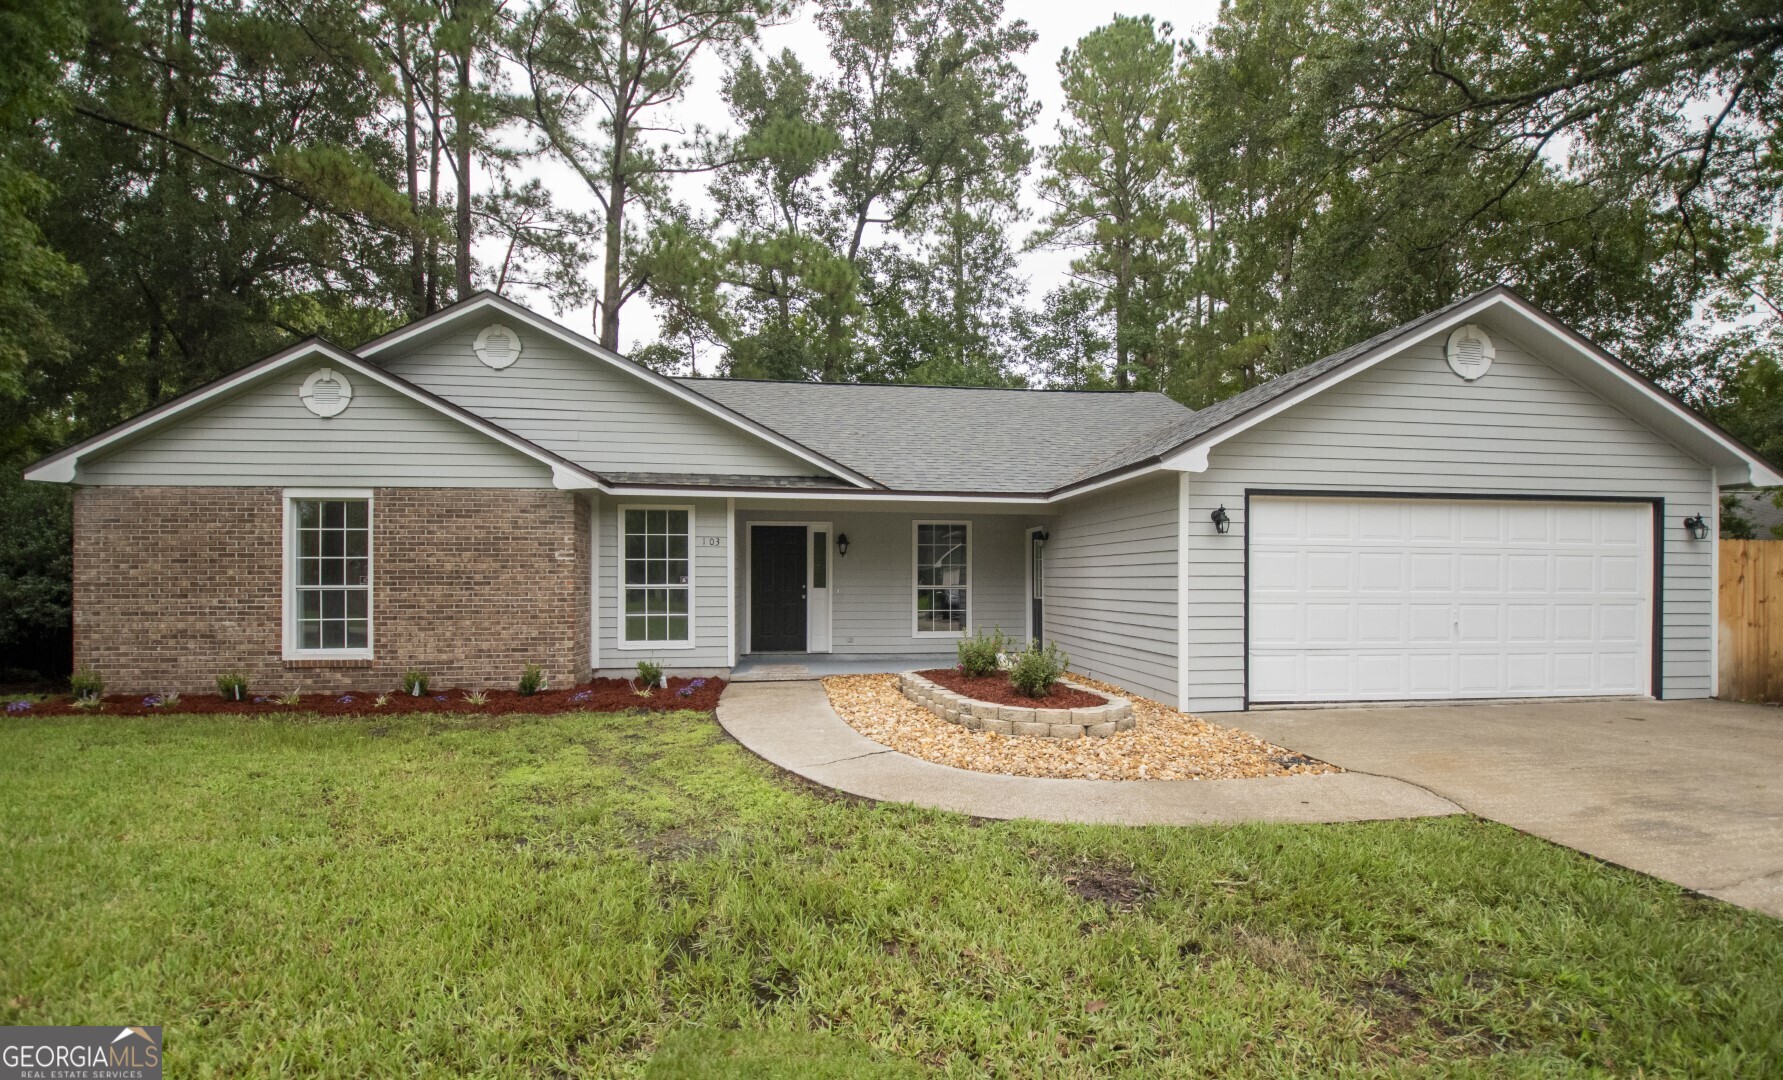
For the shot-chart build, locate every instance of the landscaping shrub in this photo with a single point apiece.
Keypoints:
(978, 652)
(649, 675)
(1036, 669)
(86, 684)
(414, 682)
(233, 686)
(532, 680)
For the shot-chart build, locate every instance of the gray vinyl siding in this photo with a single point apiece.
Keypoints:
(1111, 581)
(264, 435)
(872, 588)
(1409, 425)
(579, 406)
(711, 622)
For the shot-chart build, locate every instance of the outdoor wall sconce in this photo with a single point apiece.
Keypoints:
(1222, 522)
(842, 544)
(1699, 529)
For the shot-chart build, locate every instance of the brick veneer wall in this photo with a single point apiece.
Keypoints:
(175, 584)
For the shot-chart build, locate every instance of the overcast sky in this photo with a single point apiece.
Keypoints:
(1058, 25)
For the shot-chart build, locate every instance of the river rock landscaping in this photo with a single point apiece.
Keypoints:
(1163, 744)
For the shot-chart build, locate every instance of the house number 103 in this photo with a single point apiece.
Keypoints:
(711, 541)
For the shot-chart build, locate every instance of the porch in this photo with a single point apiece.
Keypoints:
(799, 667)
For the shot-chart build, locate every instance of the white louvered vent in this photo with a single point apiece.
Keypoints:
(326, 392)
(1470, 352)
(497, 346)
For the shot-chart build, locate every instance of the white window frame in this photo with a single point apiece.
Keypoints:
(288, 599)
(916, 576)
(693, 576)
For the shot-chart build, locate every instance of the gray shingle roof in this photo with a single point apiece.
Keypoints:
(1164, 439)
(949, 438)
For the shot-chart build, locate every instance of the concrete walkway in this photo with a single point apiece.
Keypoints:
(792, 725)
(1688, 791)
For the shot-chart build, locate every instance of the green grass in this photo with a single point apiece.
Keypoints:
(570, 895)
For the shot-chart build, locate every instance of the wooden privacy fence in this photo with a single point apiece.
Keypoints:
(1752, 620)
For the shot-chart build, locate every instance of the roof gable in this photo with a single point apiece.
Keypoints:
(467, 318)
(62, 466)
(1185, 445)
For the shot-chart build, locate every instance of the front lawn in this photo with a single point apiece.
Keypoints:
(539, 895)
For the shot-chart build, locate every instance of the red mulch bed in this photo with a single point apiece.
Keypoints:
(600, 695)
(997, 690)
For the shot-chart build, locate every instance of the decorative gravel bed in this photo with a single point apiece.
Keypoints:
(1163, 745)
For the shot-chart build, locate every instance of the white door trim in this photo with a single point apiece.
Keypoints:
(814, 604)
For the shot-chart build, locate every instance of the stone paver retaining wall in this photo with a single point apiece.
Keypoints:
(1097, 721)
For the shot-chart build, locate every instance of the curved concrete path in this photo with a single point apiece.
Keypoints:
(791, 725)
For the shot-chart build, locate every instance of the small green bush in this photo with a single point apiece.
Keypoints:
(532, 680)
(649, 675)
(1036, 669)
(414, 682)
(232, 685)
(86, 684)
(978, 652)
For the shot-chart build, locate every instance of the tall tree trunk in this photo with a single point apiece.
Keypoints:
(433, 189)
(461, 136)
(1123, 292)
(412, 171)
(612, 270)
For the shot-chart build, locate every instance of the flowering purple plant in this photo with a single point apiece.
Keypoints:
(439, 697)
(153, 701)
(582, 696)
(685, 691)
(697, 683)
(345, 699)
(17, 707)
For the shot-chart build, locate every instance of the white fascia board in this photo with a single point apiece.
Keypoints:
(569, 337)
(821, 495)
(60, 468)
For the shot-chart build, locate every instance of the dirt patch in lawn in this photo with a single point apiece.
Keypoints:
(598, 695)
(998, 690)
(1116, 886)
(1163, 745)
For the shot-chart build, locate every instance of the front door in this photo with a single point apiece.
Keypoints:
(777, 588)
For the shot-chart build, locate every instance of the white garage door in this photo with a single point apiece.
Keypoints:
(1385, 599)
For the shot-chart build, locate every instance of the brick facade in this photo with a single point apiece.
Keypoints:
(173, 585)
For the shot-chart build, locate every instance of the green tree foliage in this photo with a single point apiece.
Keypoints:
(597, 77)
(857, 195)
(1115, 185)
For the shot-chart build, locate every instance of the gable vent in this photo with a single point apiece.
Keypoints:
(497, 346)
(326, 392)
(1470, 352)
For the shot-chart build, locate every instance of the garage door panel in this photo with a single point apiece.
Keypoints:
(1426, 598)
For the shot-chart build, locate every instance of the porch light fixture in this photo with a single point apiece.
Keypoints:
(842, 544)
(1699, 529)
(1222, 522)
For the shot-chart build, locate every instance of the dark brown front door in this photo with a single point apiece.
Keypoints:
(777, 588)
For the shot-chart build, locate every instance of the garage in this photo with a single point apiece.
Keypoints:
(1382, 598)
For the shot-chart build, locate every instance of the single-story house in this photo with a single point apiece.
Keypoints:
(1477, 504)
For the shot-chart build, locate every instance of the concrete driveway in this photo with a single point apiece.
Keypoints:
(1689, 791)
